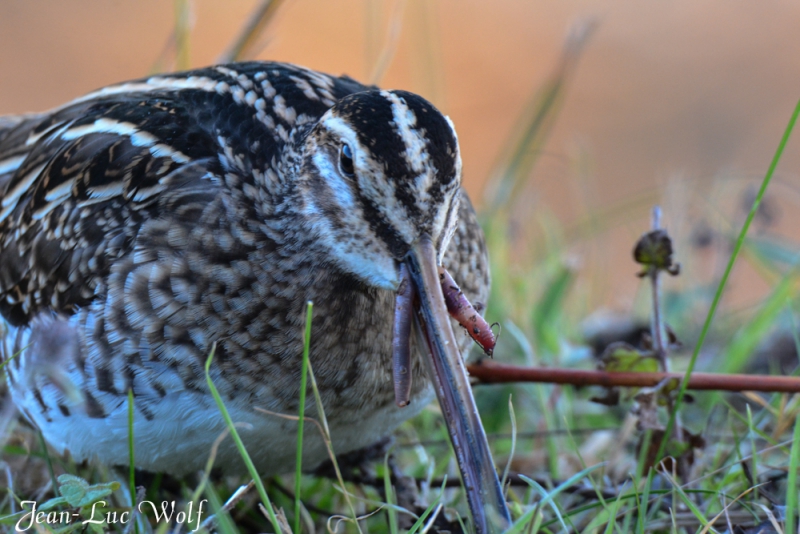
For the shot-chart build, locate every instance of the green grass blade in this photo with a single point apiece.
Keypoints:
(387, 488)
(548, 500)
(642, 503)
(548, 310)
(262, 492)
(131, 457)
(752, 334)
(298, 471)
(612, 515)
(7, 360)
(688, 502)
(421, 521)
(728, 268)
(513, 418)
(223, 519)
(753, 451)
(795, 333)
(49, 463)
(523, 521)
(791, 481)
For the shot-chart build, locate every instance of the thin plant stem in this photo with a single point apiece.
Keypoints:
(660, 345)
(658, 328)
(298, 473)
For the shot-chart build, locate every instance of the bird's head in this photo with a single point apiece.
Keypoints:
(380, 170)
(380, 178)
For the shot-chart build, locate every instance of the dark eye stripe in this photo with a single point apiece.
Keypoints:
(379, 225)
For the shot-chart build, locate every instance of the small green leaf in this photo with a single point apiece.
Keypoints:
(79, 493)
(95, 493)
(52, 503)
(623, 358)
(67, 478)
(669, 385)
(73, 489)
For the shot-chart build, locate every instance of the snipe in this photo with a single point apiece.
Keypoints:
(144, 222)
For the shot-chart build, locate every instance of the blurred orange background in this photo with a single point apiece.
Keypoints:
(681, 102)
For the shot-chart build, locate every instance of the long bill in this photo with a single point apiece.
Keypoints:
(449, 376)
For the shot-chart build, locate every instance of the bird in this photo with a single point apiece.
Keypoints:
(147, 222)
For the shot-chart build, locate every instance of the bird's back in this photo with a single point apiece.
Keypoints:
(76, 183)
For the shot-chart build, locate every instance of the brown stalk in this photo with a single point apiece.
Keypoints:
(492, 372)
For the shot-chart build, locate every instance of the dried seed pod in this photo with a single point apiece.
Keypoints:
(467, 316)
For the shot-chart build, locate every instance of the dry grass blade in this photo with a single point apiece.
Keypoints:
(513, 418)
(212, 456)
(166, 58)
(244, 46)
(183, 27)
(174, 55)
(329, 445)
(532, 130)
(390, 47)
(211, 521)
(344, 519)
(725, 509)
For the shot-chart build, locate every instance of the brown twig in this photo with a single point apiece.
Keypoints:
(492, 372)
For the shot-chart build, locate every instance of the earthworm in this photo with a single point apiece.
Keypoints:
(467, 316)
(401, 332)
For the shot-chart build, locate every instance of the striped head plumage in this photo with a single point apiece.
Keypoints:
(380, 169)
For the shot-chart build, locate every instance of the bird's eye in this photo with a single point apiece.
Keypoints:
(346, 161)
